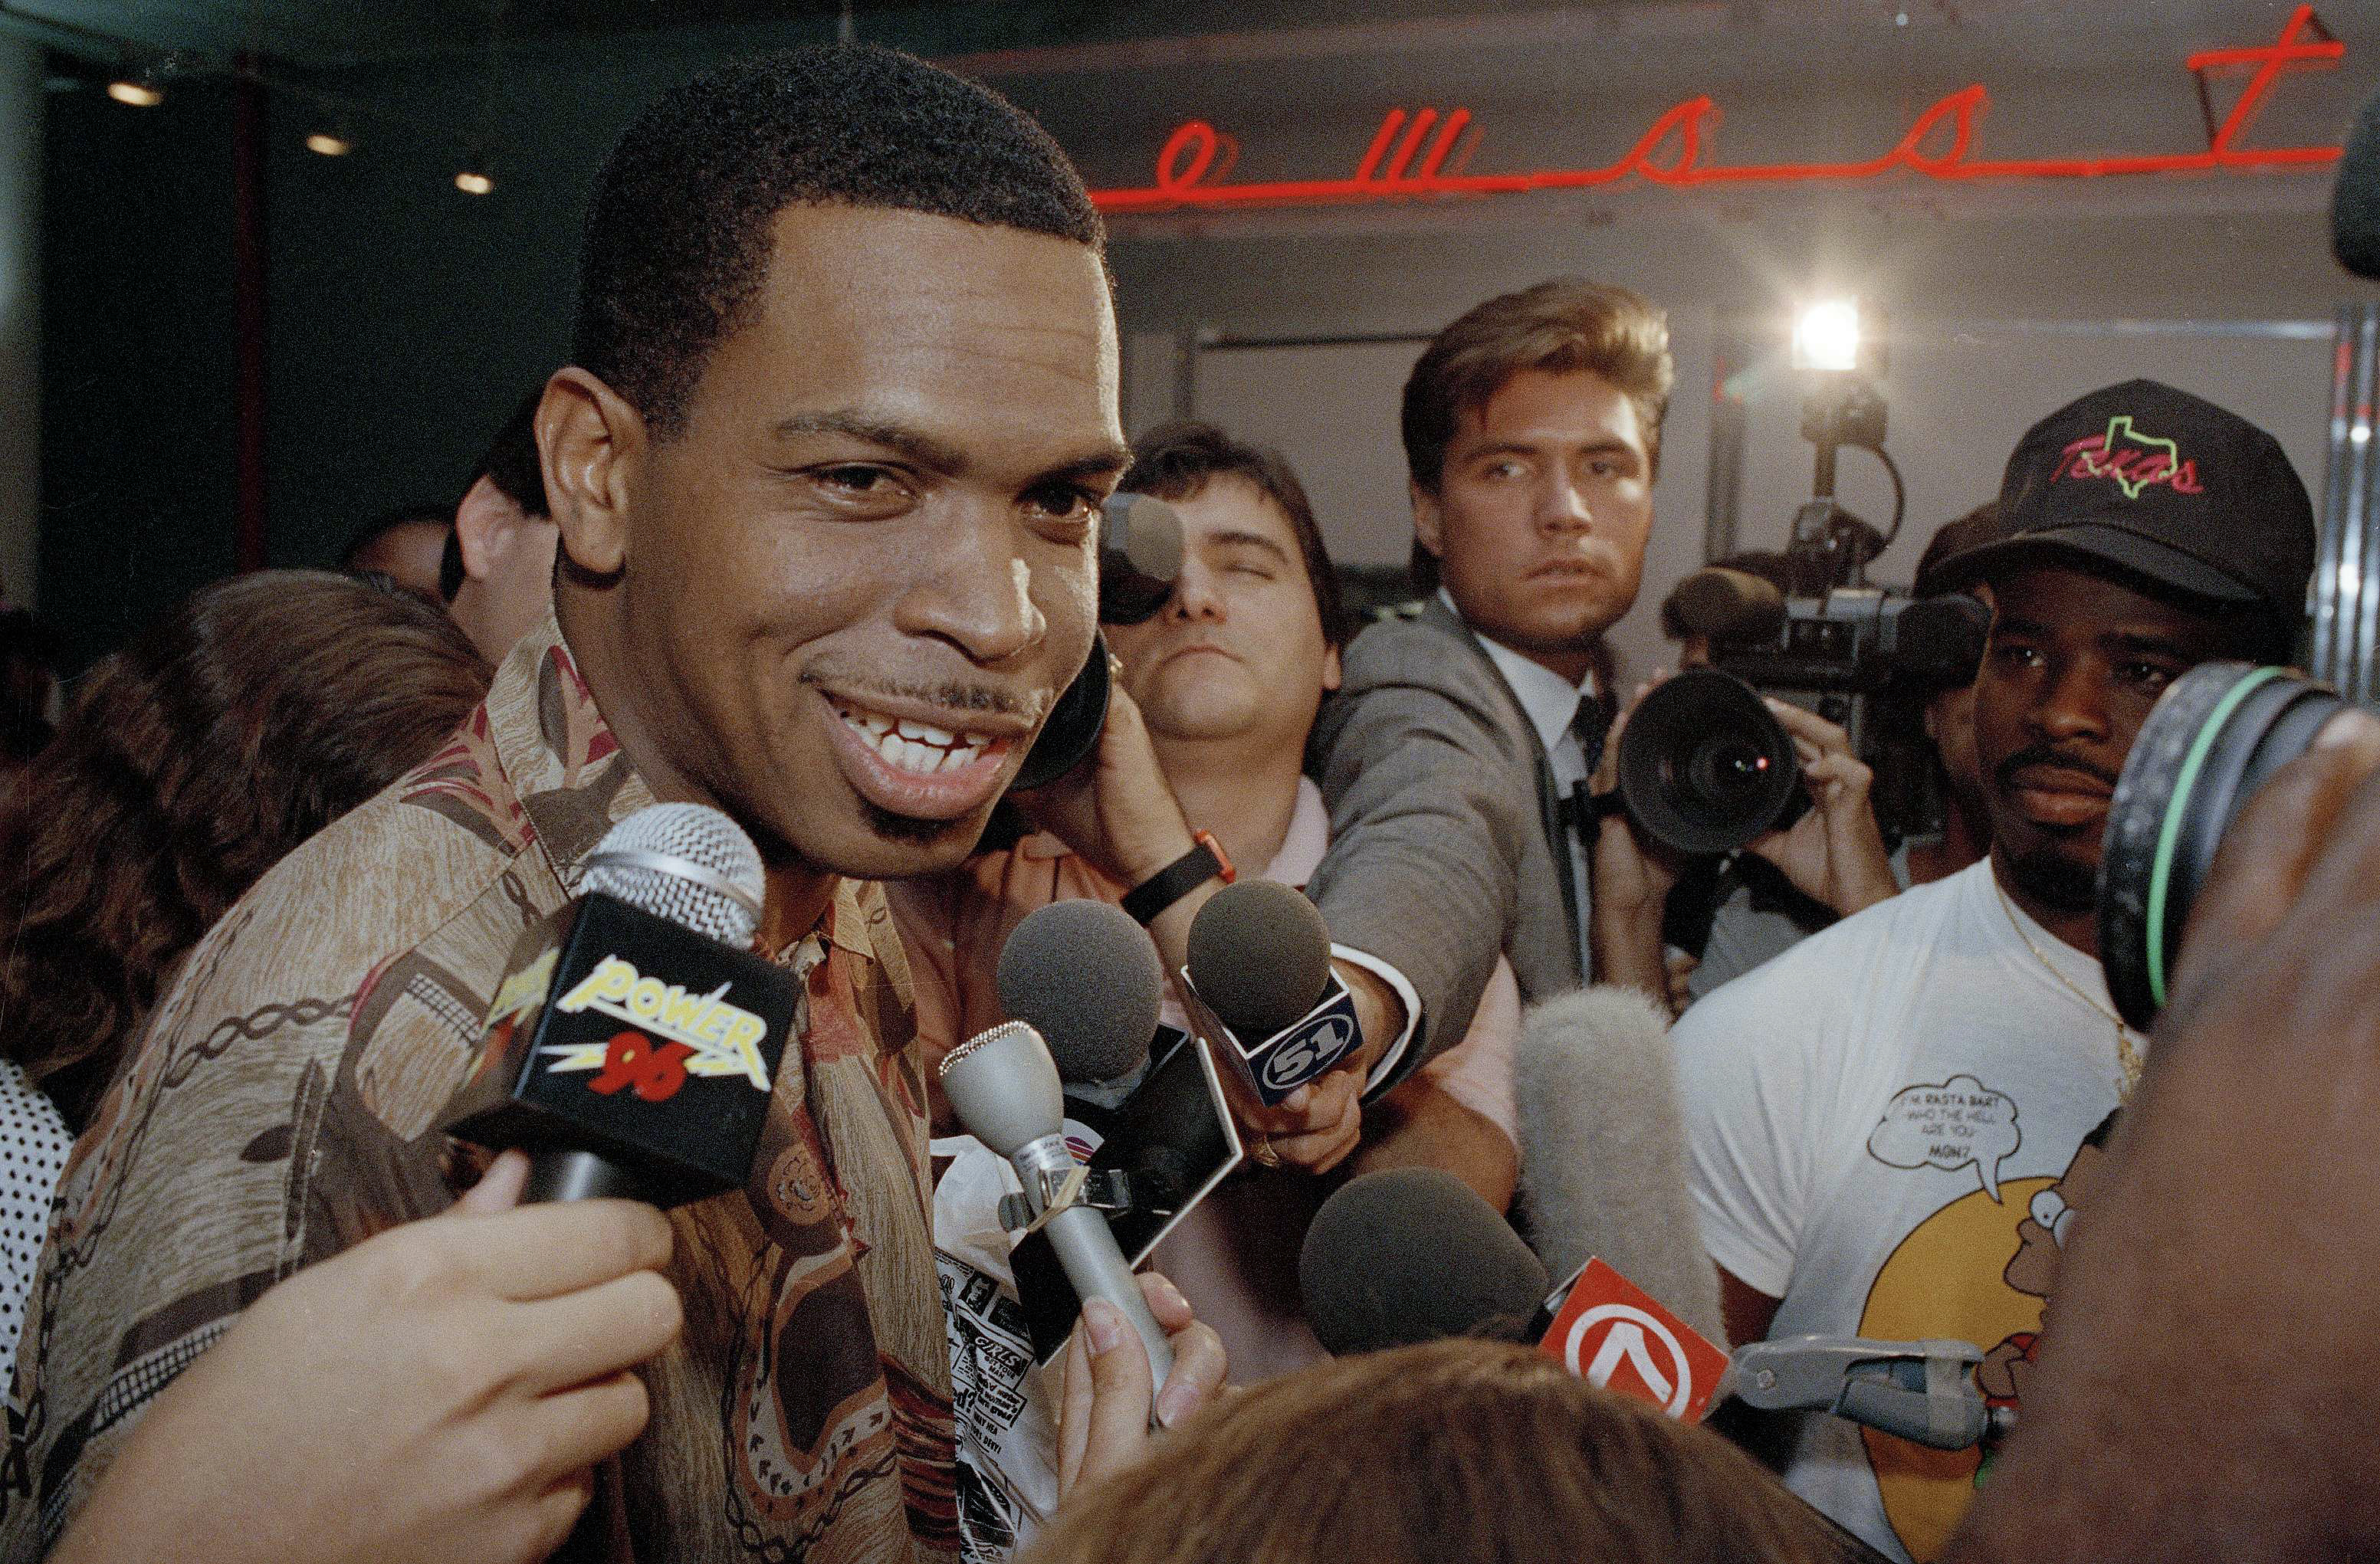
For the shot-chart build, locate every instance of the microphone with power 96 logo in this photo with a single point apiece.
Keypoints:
(1413, 1255)
(634, 1039)
(1003, 1086)
(1260, 986)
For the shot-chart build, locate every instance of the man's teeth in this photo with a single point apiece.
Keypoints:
(914, 747)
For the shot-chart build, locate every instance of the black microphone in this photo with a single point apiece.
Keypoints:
(1140, 557)
(634, 1042)
(1086, 977)
(1259, 971)
(2355, 199)
(1413, 1255)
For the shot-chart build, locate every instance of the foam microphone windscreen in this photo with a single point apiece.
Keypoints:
(1414, 1254)
(1259, 956)
(2355, 199)
(1086, 977)
(1603, 1147)
(1726, 605)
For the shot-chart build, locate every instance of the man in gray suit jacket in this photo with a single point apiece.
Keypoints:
(1532, 430)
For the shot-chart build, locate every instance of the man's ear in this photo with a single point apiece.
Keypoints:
(484, 527)
(1428, 524)
(590, 442)
(1333, 674)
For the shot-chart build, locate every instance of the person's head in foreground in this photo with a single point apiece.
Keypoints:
(1446, 1453)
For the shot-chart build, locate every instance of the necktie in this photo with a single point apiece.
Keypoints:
(1590, 724)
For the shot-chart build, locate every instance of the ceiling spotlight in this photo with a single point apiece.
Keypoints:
(137, 91)
(472, 182)
(331, 141)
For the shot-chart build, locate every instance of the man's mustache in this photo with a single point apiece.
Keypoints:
(2042, 754)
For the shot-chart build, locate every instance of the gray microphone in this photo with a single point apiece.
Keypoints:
(1086, 977)
(1003, 1085)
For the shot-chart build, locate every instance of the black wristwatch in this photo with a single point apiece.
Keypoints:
(1148, 900)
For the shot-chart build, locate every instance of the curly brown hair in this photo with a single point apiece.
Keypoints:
(262, 709)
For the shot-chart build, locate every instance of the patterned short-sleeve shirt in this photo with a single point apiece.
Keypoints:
(282, 1106)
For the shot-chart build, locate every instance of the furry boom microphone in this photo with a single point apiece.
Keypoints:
(1603, 1148)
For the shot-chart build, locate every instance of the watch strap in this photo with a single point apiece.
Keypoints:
(1204, 861)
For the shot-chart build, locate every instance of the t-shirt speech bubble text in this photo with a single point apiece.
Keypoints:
(1959, 1124)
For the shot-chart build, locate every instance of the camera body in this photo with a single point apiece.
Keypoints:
(1864, 657)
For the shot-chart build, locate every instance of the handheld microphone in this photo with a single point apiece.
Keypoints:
(1086, 977)
(634, 1042)
(1140, 557)
(1261, 987)
(1922, 1391)
(1413, 1255)
(1003, 1085)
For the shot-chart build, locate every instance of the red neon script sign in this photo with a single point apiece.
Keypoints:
(1409, 153)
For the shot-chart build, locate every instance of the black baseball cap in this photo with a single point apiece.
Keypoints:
(2164, 487)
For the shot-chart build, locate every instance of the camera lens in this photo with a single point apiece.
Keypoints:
(1704, 768)
(2216, 736)
(1727, 768)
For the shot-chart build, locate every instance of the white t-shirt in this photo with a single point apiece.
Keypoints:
(1873, 1118)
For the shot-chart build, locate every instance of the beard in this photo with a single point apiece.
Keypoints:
(908, 829)
(2055, 881)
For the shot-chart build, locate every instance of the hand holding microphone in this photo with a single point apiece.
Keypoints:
(1127, 1367)
(1260, 967)
(440, 1392)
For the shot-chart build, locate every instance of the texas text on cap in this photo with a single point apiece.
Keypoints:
(2163, 486)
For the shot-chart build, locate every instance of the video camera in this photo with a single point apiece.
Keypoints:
(1711, 769)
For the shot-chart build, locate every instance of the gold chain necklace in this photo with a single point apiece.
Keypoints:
(2128, 1055)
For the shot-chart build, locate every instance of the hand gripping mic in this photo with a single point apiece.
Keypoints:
(1261, 987)
(633, 1044)
(1004, 1088)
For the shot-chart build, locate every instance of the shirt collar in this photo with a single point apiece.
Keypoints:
(572, 780)
(1549, 700)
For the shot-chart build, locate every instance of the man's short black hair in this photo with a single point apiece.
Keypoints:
(1176, 461)
(512, 465)
(678, 233)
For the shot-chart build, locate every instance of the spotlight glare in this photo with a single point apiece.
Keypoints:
(473, 183)
(1826, 335)
(330, 143)
(137, 93)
